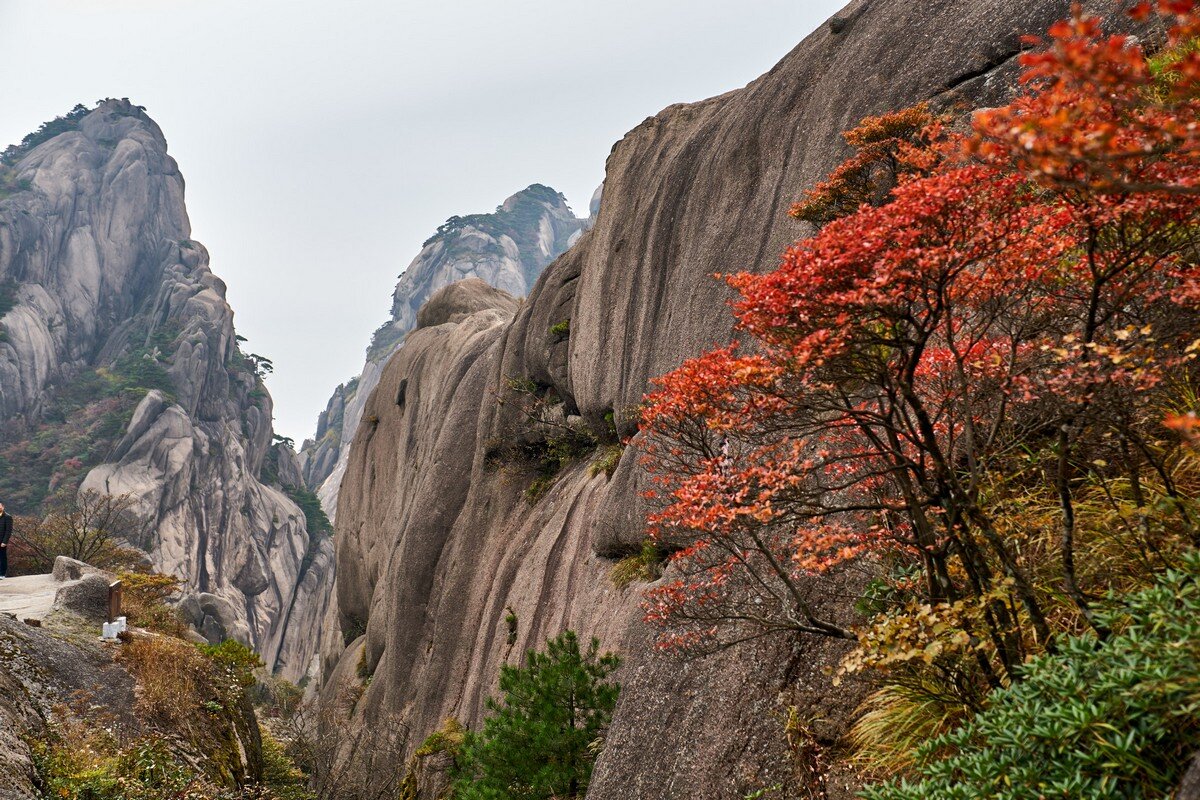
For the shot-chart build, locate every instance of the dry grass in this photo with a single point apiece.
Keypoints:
(144, 598)
(895, 721)
(173, 679)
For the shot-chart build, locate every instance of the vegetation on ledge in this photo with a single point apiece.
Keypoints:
(81, 422)
(976, 383)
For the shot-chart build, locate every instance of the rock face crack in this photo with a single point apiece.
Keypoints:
(991, 65)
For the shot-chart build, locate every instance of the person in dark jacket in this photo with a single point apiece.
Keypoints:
(6, 525)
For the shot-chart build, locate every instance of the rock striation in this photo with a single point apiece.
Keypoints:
(117, 348)
(446, 569)
(507, 249)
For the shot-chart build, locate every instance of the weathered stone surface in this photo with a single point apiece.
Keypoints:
(435, 539)
(87, 597)
(68, 569)
(215, 618)
(1189, 789)
(17, 715)
(456, 302)
(507, 249)
(99, 247)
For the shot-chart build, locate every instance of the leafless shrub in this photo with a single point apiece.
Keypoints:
(344, 758)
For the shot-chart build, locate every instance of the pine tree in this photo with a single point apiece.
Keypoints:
(541, 738)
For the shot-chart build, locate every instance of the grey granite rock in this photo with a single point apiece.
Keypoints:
(68, 569)
(100, 252)
(435, 539)
(87, 597)
(1189, 788)
(507, 249)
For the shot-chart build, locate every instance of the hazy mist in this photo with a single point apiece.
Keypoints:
(322, 142)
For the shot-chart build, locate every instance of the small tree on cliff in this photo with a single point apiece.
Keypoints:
(541, 738)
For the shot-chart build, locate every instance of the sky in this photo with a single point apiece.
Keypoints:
(323, 141)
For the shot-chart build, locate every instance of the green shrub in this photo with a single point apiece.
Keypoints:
(446, 742)
(448, 739)
(315, 519)
(8, 288)
(561, 329)
(141, 370)
(607, 460)
(280, 776)
(644, 565)
(45, 132)
(10, 184)
(353, 628)
(235, 661)
(74, 764)
(1111, 720)
(542, 737)
(8, 296)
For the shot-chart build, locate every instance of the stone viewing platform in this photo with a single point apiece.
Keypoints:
(73, 585)
(29, 596)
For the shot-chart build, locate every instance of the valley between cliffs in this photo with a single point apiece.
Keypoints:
(462, 540)
(447, 569)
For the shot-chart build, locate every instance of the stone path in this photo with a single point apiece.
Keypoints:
(29, 596)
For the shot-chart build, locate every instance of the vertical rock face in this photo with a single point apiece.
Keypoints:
(439, 548)
(116, 318)
(507, 249)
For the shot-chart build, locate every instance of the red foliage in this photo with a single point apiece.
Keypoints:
(1033, 279)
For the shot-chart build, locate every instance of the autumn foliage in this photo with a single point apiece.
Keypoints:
(960, 380)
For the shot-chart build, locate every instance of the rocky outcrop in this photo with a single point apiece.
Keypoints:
(40, 671)
(119, 349)
(17, 715)
(507, 249)
(446, 569)
(1189, 788)
(58, 675)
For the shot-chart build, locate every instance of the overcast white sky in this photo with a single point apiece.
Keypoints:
(324, 140)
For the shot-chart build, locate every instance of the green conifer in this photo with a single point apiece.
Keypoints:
(541, 737)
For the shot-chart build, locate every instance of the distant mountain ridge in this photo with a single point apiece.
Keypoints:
(120, 371)
(507, 249)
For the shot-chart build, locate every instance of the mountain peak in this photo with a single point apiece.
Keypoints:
(111, 121)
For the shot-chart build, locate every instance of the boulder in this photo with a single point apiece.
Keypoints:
(214, 617)
(68, 569)
(87, 597)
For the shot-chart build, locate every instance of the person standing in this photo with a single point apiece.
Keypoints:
(6, 526)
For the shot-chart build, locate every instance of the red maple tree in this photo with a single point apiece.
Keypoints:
(1014, 304)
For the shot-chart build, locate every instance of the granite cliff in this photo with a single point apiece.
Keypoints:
(507, 249)
(455, 553)
(120, 370)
